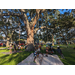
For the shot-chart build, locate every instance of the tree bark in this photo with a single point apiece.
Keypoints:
(52, 40)
(7, 43)
(30, 37)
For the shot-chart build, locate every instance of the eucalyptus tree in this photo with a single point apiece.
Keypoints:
(30, 17)
(66, 22)
(29, 24)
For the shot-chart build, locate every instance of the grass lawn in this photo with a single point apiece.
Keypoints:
(12, 59)
(3, 47)
(68, 52)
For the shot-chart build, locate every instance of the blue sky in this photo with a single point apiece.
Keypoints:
(62, 12)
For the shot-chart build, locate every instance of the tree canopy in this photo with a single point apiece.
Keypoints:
(28, 21)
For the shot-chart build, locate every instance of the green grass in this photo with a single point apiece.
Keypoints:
(12, 59)
(3, 47)
(69, 54)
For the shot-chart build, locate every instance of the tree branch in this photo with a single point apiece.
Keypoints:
(34, 20)
(3, 31)
(41, 28)
(12, 14)
(24, 16)
(25, 19)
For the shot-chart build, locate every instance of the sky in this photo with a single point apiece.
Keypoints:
(60, 10)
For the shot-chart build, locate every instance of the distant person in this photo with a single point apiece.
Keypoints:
(19, 46)
(46, 51)
(50, 50)
(54, 51)
(35, 45)
(60, 52)
(25, 46)
(38, 50)
(35, 54)
(50, 44)
(10, 48)
(0, 44)
(14, 47)
(40, 46)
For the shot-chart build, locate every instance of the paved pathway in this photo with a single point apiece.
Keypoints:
(28, 61)
(50, 60)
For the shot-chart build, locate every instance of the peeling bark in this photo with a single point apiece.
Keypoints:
(52, 40)
(30, 37)
(7, 43)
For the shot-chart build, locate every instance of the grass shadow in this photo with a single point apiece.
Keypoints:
(16, 57)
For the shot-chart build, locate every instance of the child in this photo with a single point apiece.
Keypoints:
(10, 48)
(60, 52)
(53, 50)
(35, 55)
(14, 47)
(46, 51)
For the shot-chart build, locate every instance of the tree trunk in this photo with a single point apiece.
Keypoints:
(11, 38)
(30, 37)
(7, 43)
(30, 40)
(52, 40)
(30, 28)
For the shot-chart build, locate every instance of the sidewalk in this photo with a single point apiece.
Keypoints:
(50, 60)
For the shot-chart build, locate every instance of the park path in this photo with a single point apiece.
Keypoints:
(50, 60)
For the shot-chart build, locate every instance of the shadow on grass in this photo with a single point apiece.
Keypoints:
(17, 57)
